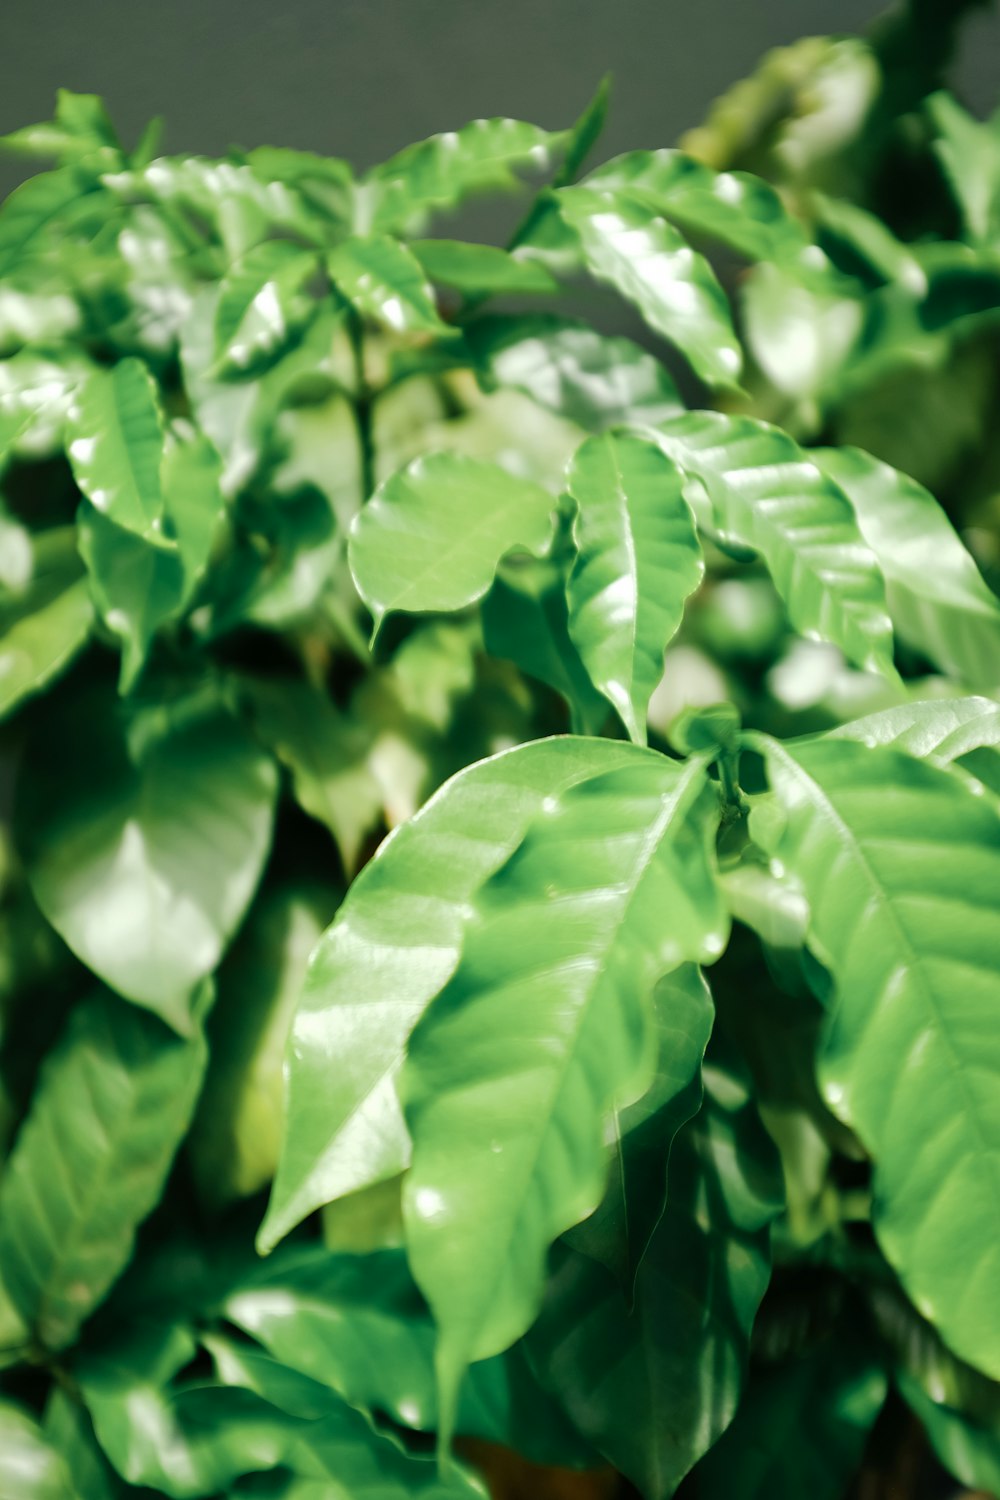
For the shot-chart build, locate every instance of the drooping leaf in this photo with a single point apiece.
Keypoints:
(768, 494)
(638, 558)
(262, 305)
(432, 535)
(30, 1467)
(544, 1029)
(800, 1429)
(937, 596)
(619, 1231)
(438, 173)
(144, 850)
(115, 1101)
(631, 246)
(655, 1385)
(393, 947)
(590, 378)
(45, 623)
(115, 445)
(481, 270)
(899, 860)
(385, 282)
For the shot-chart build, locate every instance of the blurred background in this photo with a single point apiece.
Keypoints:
(361, 78)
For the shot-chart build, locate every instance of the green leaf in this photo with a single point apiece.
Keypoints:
(800, 1430)
(393, 947)
(654, 1385)
(545, 1027)
(969, 152)
(33, 209)
(81, 128)
(237, 1133)
(115, 445)
(638, 558)
(631, 246)
(941, 731)
(432, 535)
(385, 282)
(898, 860)
(114, 1103)
(344, 1452)
(585, 376)
(438, 173)
(619, 1231)
(968, 1449)
(30, 1468)
(768, 494)
(70, 1431)
(45, 623)
(480, 269)
(739, 210)
(937, 597)
(262, 306)
(35, 396)
(144, 849)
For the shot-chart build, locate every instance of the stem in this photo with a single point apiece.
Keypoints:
(362, 405)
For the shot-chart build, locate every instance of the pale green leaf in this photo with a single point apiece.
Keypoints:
(631, 246)
(481, 270)
(385, 282)
(588, 377)
(394, 945)
(144, 849)
(47, 622)
(116, 1098)
(432, 535)
(33, 209)
(637, 560)
(937, 598)
(30, 1468)
(940, 730)
(768, 494)
(545, 1027)
(969, 152)
(653, 1384)
(115, 445)
(262, 305)
(900, 862)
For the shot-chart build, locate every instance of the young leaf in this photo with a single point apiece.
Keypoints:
(768, 494)
(144, 850)
(638, 558)
(899, 861)
(81, 128)
(438, 173)
(544, 1029)
(585, 376)
(631, 246)
(262, 306)
(431, 536)
(682, 1347)
(115, 1101)
(800, 1430)
(385, 282)
(937, 597)
(394, 945)
(481, 270)
(45, 623)
(115, 445)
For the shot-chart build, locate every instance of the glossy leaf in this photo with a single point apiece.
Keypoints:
(766, 493)
(800, 1429)
(115, 445)
(631, 246)
(638, 558)
(90, 1162)
(480, 269)
(30, 1468)
(941, 731)
(585, 376)
(45, 623)
(682, 1347)
(144, 852)
(937, 597)
(438, 173)
(432, 535)
(393, 947)
(514, 1072)
(261, 305)
(386, 282)
(898, 860)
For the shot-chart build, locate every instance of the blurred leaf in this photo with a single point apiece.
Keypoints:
(385, 281)
(969, 152)
(479, 269)
(47, 622)
(30, 1468)
(31, 211)
(115, 444)
(262, 306)
(81, 129)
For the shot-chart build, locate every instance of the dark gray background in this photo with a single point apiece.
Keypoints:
(360, 78)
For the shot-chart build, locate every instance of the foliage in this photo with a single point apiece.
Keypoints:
(585, 752)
